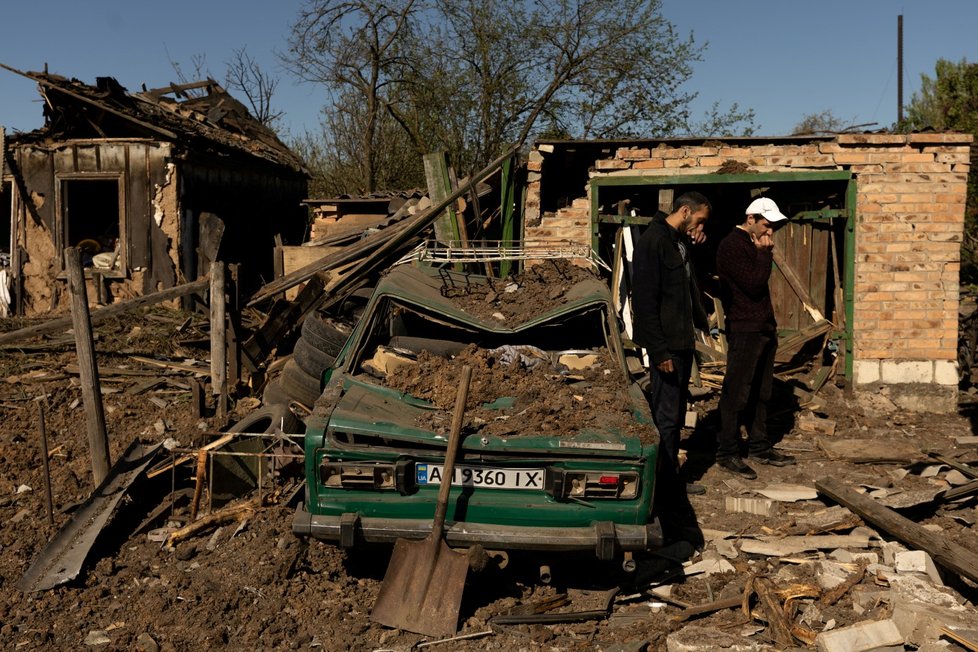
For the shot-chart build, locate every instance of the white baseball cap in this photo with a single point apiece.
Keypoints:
(766, 208)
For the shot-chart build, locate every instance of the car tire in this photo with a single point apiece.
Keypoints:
(299, 385)
(269, 419)
(273, 394)
(310, 359)
(324, 335)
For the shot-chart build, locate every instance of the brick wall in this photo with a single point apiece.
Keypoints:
(910, 202)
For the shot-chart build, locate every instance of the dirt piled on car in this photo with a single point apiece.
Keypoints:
(517, 299)
(514, 396)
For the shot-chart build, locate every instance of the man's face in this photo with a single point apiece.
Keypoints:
(694, 221)
(759, 226)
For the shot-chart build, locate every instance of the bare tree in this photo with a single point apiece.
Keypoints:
(823, 122)
(351, 47)
(244, 75)
(473, 76)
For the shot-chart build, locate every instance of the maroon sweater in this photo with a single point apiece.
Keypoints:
(744, 271)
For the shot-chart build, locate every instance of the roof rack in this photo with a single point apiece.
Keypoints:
(432, 252)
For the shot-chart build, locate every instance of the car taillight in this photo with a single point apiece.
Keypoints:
(592, 484)
(363, 475)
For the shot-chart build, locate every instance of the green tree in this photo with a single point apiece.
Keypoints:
(949, 102)
(472, 76)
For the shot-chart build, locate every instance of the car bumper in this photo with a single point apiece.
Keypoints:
(605, 538)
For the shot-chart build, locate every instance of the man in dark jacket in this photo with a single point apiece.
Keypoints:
(744, 260)
(667, 307)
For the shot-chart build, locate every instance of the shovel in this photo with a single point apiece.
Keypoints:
(422, 590)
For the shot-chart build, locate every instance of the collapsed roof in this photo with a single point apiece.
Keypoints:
(199, 115)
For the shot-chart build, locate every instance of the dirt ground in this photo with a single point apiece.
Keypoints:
(256, 586)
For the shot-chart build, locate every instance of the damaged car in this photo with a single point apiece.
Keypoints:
(558, 451)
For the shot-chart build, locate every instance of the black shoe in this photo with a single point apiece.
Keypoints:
(773, 457)
(736, 465)
(695, 489)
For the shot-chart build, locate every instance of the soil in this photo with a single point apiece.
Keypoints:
(544, 402)
(519, 298)
(257, 586)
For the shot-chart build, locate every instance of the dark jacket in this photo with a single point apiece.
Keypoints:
(665, 299)
(744, 271)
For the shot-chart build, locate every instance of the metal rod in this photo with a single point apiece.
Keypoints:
(899, 70)
(49, 509)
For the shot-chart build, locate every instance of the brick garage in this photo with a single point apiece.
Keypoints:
(889, 206)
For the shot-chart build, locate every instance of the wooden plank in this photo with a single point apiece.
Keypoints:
(139, 212)
(870, 450)
(218, 318)
(382, 244)
(436, 176)
(800, 290)
(942, 550)
(64, 323)
(98, 442)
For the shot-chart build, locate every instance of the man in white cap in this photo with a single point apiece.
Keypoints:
(744, 260)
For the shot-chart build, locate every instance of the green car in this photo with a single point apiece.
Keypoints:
(529, 476)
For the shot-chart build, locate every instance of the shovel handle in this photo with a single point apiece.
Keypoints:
(448, 472)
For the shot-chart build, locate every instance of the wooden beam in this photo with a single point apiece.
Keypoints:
(98, 442)
(800, 290)
(218, 315)
(64, 323)
(382, 244)
(944, 551)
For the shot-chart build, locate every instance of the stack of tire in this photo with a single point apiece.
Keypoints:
(315, 350)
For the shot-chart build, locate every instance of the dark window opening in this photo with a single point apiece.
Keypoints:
(91, 220)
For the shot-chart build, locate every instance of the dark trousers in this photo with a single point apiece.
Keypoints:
(746, 392)
(667, 398)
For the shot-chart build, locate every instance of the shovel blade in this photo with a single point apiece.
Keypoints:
(422, 590)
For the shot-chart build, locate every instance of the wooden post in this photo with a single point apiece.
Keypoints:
(98, 443)
(49, 509)
(439, 187)
(219, 382)
(233, 328)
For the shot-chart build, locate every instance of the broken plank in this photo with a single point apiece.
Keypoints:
(708, 608)
(803, 295)
(788, 493)
(778, 625)
(945, 552)
(792, 545)
(870, 450)
(189, 368)
(64, 323)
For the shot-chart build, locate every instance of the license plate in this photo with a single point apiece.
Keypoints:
(486, 477)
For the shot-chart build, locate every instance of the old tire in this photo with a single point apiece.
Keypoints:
(324, 335)
(269, 419)
(298, 385)
(310, 359)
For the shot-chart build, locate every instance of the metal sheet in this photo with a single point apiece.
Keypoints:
(63, 557)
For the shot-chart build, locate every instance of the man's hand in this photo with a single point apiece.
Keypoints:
(765, 242)
(665, 366)
(697, 234)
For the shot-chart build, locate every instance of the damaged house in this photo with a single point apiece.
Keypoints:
(151, 187)
(867, 278)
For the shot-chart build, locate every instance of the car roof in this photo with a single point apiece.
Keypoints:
(424, 285)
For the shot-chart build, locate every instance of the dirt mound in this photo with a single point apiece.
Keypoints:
(511, 400)
(517, 299)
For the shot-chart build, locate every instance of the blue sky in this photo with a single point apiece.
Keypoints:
(783, 58)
